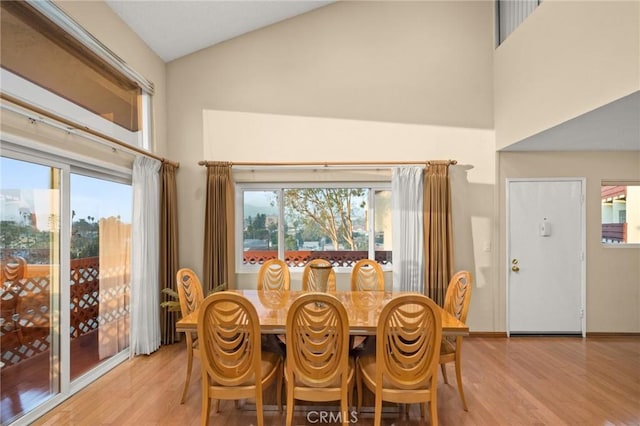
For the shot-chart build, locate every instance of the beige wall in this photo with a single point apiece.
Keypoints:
(567, 58)
(97, 18)
(241, 136)
(374, 81)
(613, 274)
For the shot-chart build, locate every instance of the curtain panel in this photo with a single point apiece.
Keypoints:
(145, 297)
(169, 260)
(114, 278)
(438, 231)
(408, 235)
(219, 228)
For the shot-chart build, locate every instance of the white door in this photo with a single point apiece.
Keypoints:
(546, 256)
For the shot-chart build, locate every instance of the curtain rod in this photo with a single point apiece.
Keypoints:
(75, 126)
(324, 163)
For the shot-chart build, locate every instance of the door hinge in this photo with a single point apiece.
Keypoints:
(582, 256)
(581, 313)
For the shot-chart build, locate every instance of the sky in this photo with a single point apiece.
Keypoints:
(89, 196)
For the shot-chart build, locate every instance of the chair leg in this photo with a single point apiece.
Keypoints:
(358, 380)
(259, 412)
(279, 381)
(217, 406)
(290, 402)
(433, 412)
(459, 380)
(188, 378)
(422, 407)
(377, 415)
(344, 406)
(204, 420)
(443, 367)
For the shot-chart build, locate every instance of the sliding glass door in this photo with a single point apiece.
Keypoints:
(65, 239)
(30, 250)
(100, 259)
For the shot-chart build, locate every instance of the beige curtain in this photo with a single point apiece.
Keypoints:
(438, 233)
(115, 286)
(169, 260)
(219, 239)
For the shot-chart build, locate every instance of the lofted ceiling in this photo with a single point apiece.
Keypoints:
(177, 28)
(612, 127)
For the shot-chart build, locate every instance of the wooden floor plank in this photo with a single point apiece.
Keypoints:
(516, 381)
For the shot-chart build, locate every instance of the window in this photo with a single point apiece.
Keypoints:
(512, 13)
(620, 207)
(44, 66)
(342, 223)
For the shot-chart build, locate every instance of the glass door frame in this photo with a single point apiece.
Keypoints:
(25, 149)
(60, 342)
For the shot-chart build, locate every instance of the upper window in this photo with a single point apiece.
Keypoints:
(38, 51)
(341, 223)
(44, 66)
(620, 204)
(511, 13)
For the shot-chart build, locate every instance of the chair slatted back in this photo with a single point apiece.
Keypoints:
(274, 275)
(458, 296)
(367, 275)
(317, 340)
(190, 291)
(408, 342)
(229, 336)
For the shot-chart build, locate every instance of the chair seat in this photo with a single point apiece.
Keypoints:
(270, 361)
(368, 369)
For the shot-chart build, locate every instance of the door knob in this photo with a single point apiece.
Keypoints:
(515, 268)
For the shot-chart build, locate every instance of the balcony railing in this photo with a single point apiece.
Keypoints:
(25, 305)
(299, 258)
(614, 232)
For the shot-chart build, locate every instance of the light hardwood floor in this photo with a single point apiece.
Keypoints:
(517, 381)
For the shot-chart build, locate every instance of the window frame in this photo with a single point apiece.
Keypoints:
(280, 187)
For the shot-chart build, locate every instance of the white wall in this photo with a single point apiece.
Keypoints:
(567, 58)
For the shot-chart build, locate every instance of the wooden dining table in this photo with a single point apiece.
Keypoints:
(363, 309)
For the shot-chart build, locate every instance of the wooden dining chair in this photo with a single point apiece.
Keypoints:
(367, 275)
(456, 302)
(190, 296)
(274, 275)
(233, 364)
(404, 368)
(308, 277)
(318, 367)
